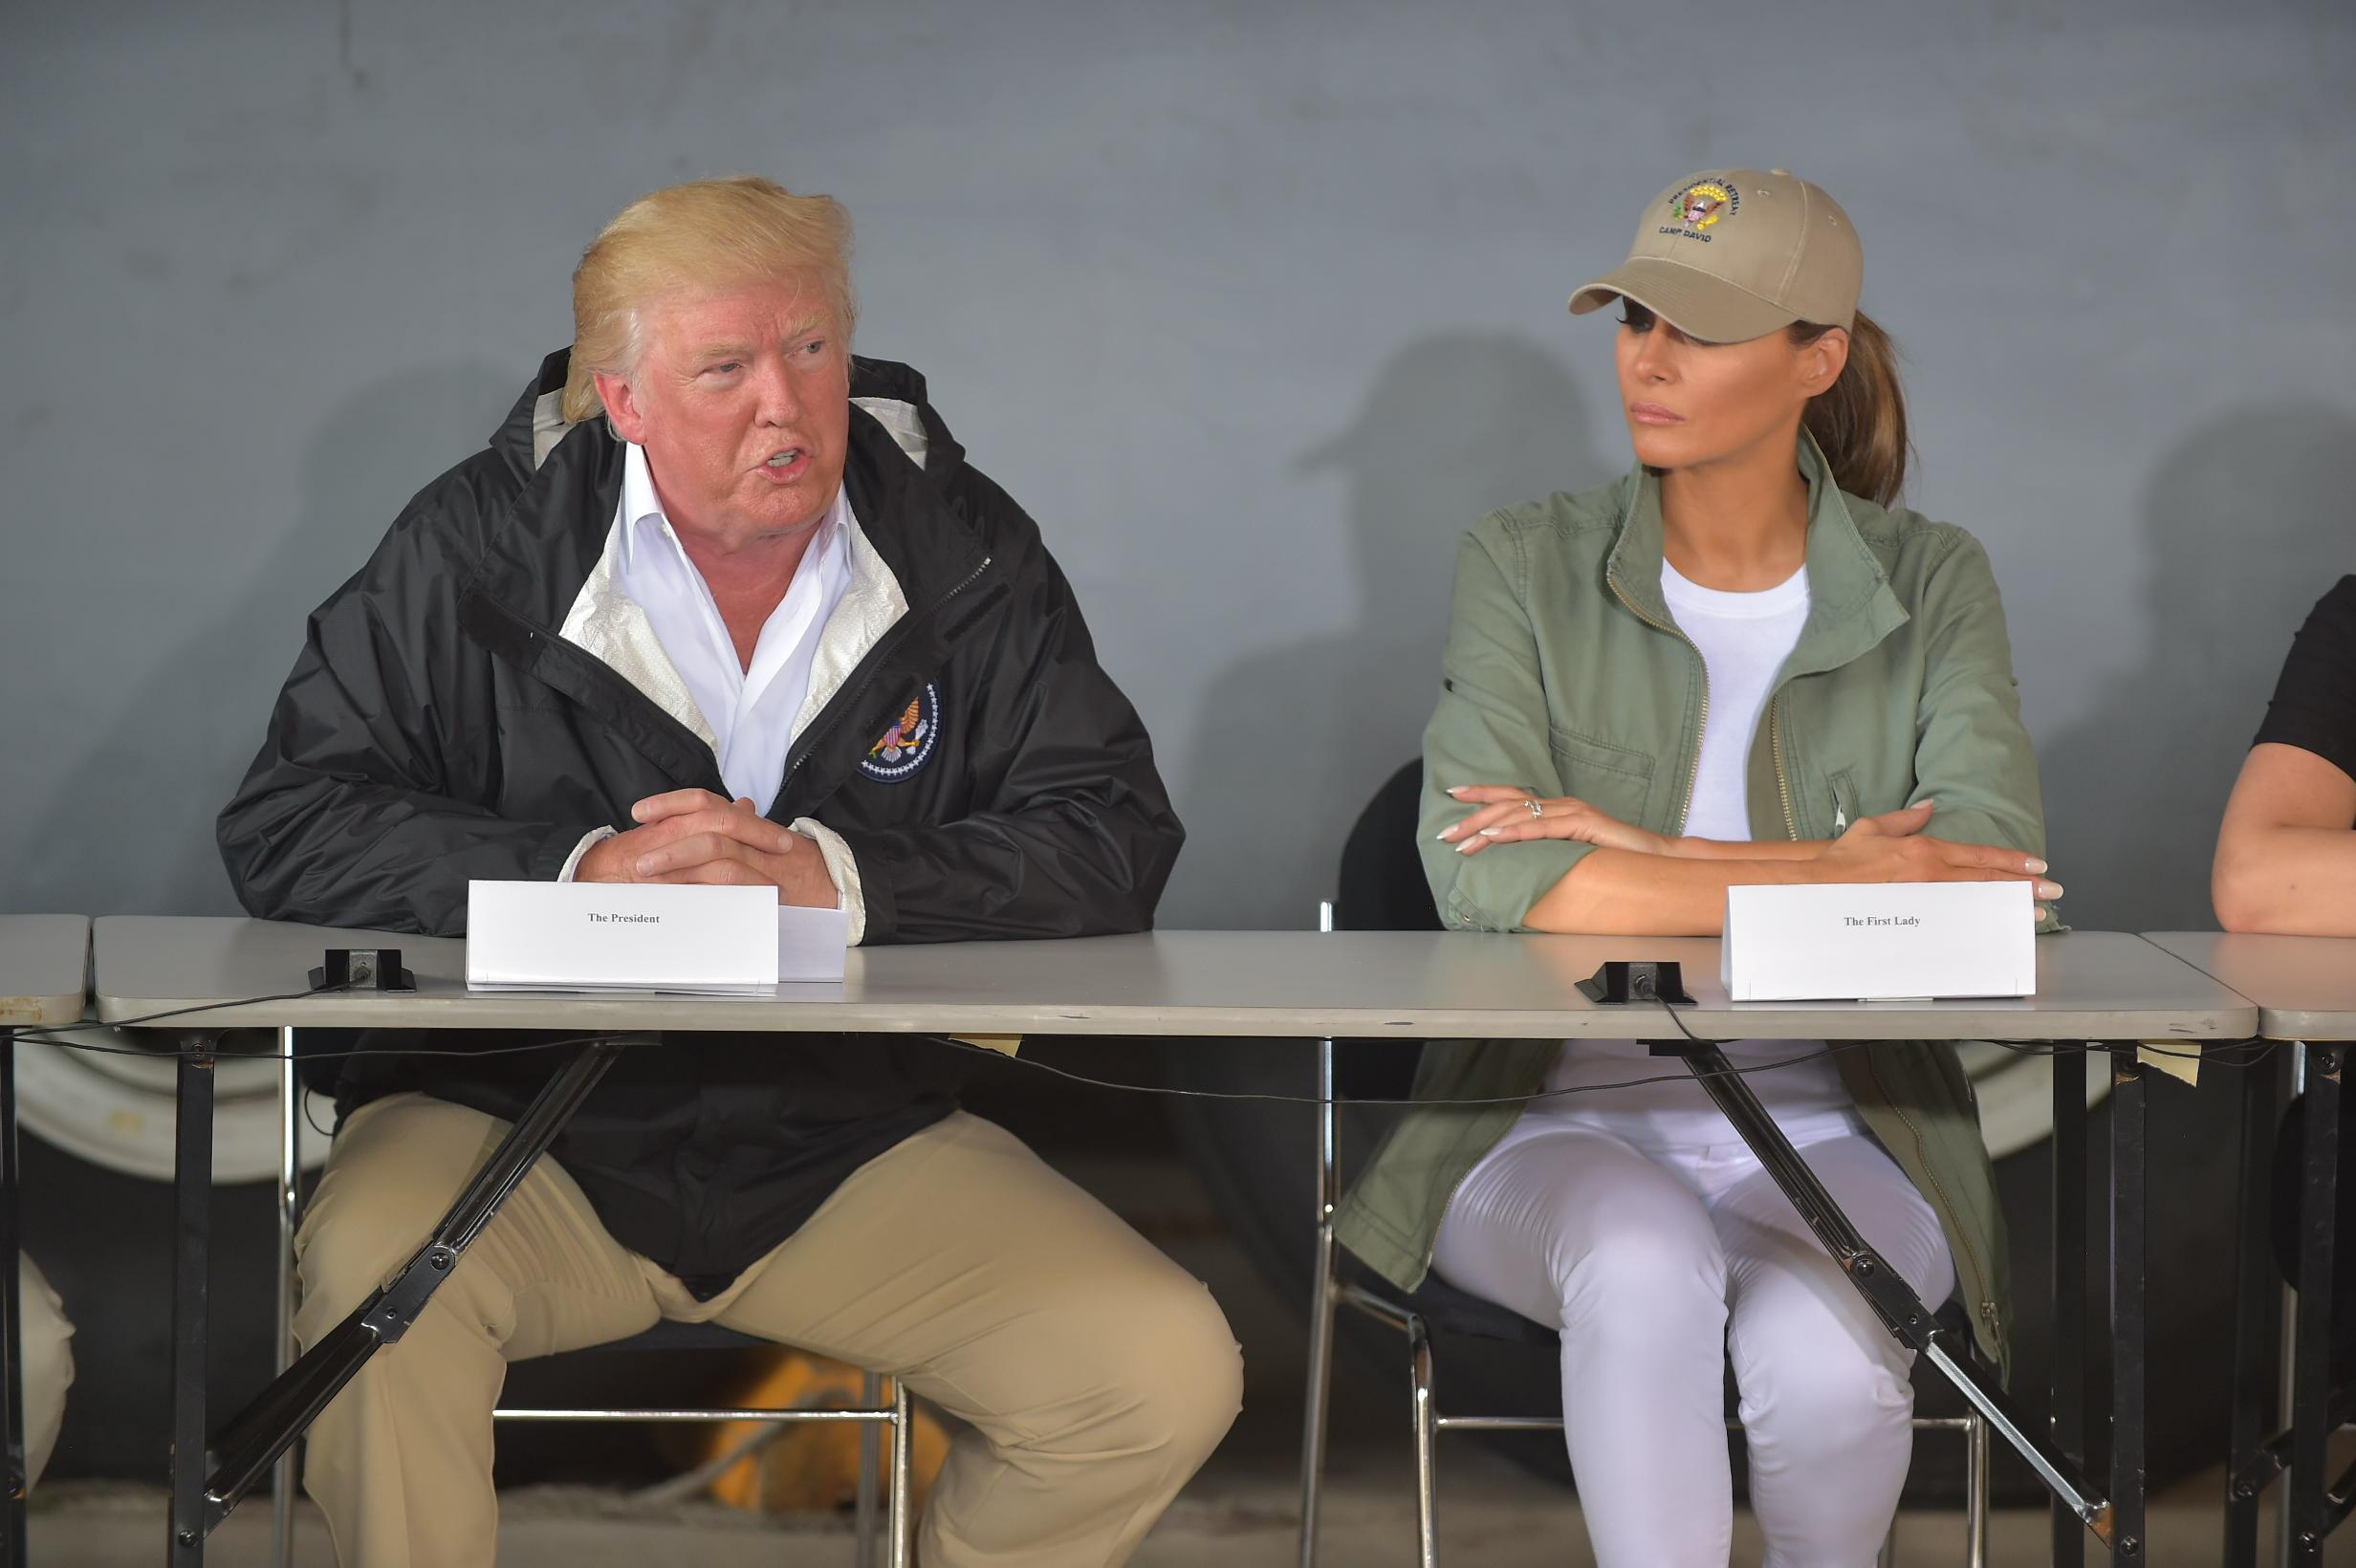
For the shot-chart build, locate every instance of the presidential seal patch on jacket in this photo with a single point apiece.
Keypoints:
(909, 744)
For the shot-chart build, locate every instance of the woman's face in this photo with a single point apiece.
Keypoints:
(1689, 403)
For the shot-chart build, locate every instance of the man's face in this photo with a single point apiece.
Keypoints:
(742, 400)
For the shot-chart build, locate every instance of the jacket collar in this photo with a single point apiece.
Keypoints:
(1850, 605)
(551, 540)
(897, 469)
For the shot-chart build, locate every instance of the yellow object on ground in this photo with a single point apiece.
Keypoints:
(812, 1466)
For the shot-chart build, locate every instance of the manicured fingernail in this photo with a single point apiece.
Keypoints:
(1489, 833)
(1445, 834)
(1469, 843)
(1457, 789)
(2048, 889)
(2035, 865)
(2044, 913)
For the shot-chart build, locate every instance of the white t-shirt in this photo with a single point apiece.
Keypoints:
(1744, 640)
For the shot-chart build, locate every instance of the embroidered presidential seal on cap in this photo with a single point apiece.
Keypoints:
(909, 744)
(1700, 206)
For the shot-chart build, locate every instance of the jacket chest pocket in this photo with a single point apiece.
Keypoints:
(1613, 779)
(1845, 808)
(1841, 795)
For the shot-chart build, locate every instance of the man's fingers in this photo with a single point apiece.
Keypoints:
(695, 819)
(695, 849)
(747, 827)
(715, 873)
(654, 808)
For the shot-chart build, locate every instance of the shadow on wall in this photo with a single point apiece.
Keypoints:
(130, 830)
(1295, 739)
(2247, 521)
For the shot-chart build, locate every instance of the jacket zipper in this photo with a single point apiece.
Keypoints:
(1694, 775)
(875, 661)
(1783, 783)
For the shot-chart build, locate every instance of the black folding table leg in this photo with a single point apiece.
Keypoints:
(2255, 1319)
(2066, 1417)
(191, 1253)
(254, 1438)
(2311, 1338)
(1885, 1290)
(11, 1317)
(2127, 1304)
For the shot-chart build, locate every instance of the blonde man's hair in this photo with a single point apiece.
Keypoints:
(706, 235)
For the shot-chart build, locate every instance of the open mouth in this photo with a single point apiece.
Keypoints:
(789, 463)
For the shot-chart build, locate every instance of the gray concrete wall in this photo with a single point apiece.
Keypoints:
(1255, 308)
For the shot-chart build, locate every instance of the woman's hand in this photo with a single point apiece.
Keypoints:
(1510, 815)
(1892, 847)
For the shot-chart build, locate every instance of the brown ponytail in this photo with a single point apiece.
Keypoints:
(1860, 420)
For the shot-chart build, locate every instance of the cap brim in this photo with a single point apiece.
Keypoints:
(1691, 300)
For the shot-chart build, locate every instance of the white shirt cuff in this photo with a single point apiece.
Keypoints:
(571, 862)
(843, 867)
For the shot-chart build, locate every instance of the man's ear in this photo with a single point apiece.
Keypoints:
(1821, 363)
(621, 409)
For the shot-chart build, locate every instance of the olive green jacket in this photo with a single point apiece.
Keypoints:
(1564, 672)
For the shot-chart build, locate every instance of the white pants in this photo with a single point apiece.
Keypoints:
(1661, 1263)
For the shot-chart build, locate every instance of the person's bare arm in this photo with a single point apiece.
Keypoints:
(1633, 883)
(2286, 853)
(1619, 892)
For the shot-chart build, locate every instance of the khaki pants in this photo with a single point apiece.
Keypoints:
(45, 1362)
(1095, 1373)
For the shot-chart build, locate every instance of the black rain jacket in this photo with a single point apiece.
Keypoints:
(437, 728)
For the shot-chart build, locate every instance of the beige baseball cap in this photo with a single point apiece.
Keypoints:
(1737, 255)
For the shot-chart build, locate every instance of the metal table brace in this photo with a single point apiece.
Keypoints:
(207, 1484)
(2116, 1520)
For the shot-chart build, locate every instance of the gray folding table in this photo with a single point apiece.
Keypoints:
(44, 976)
(2304, 989)
(2110, 990)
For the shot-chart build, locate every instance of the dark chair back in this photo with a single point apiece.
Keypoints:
(1382, 883)
(1382, 888)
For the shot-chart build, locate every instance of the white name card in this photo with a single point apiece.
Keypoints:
(577, 936)
(1879, 941)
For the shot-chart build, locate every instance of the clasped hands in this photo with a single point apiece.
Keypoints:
(1890, 847)
(693, 836)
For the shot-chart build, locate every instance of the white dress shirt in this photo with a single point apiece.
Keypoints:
(753, 711)
(752, 714)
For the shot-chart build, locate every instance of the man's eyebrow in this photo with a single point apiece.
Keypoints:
(810, 326)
